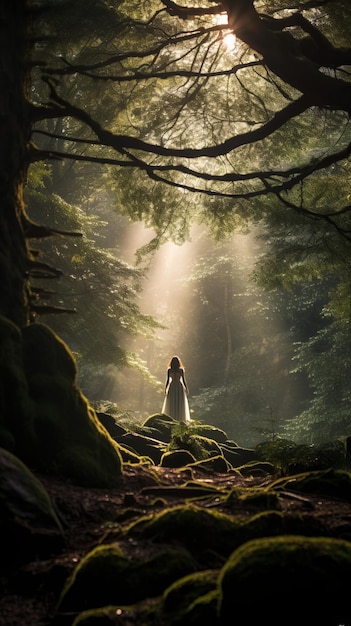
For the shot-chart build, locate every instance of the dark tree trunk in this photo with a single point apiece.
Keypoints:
(14, 137)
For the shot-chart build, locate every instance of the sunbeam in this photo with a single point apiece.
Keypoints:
(227, 331)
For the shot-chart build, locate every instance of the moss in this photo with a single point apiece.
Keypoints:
(97, 617)
(310, 574)
(55, 430)
(210, 446)
(23, 496)
(209, 535)
(45, 353)
(256, 468)
(203, 610)
(144, 613)
(142, 445)
(106, 576)
(130, 457)
(188, 490)
(160, 426)
(149, 613)
(214, 464)
(200, 447)
(263, 524)
(181, 594)
(210, 432)
(155, 574)
(255, 497)
(176, 459)
(70, 439)
(237, 456)
(94, 579)
(330, 482)
(198, 529)
(13, 389)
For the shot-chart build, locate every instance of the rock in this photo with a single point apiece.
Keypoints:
(160, 426)
(142, 445)
(306, 577)
(28, 518)
(177, 458)
(115, 430)
(123, 580)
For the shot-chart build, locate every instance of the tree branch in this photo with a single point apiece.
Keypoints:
(122, 142)
(280, 52)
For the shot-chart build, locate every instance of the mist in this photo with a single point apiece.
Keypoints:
(237, 352)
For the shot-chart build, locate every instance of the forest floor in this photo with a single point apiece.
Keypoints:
(29, 588)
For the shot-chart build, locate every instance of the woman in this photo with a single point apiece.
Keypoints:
(176, 401)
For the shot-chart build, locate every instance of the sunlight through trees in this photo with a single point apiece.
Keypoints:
(225, 118)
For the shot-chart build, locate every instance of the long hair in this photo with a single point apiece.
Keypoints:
(175, 363)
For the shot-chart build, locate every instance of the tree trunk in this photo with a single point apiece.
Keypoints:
(228, 330)
(14, 137)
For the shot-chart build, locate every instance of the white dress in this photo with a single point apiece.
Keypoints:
(176, 403)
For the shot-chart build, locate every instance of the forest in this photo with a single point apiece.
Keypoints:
(213, 205)
(175, 181)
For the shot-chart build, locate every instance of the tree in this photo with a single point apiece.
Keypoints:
(315, 279)
(276, 92)
(102, 291)
(244, 129)
(288, 75)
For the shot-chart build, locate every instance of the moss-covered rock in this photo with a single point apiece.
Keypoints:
(292, 579)
(213, 464)
(142, 445)
(200, 447)
(106, 576)
(238, 456)
(29, 523)
(22, 495)
(144, 613)
(256, 468)
(160, 426)
(209, 431)
(176, 458)
(15, 408)
(192, 599)
(111, 425)
(48, 423)
(330, 482)
(264, 498)
(198, 529)
(129, 456)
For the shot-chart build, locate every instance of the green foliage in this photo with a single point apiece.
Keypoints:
(161, 426)
(145, 79)
(289, 457)
(326, 359)
(100, 287)
(183, 439)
